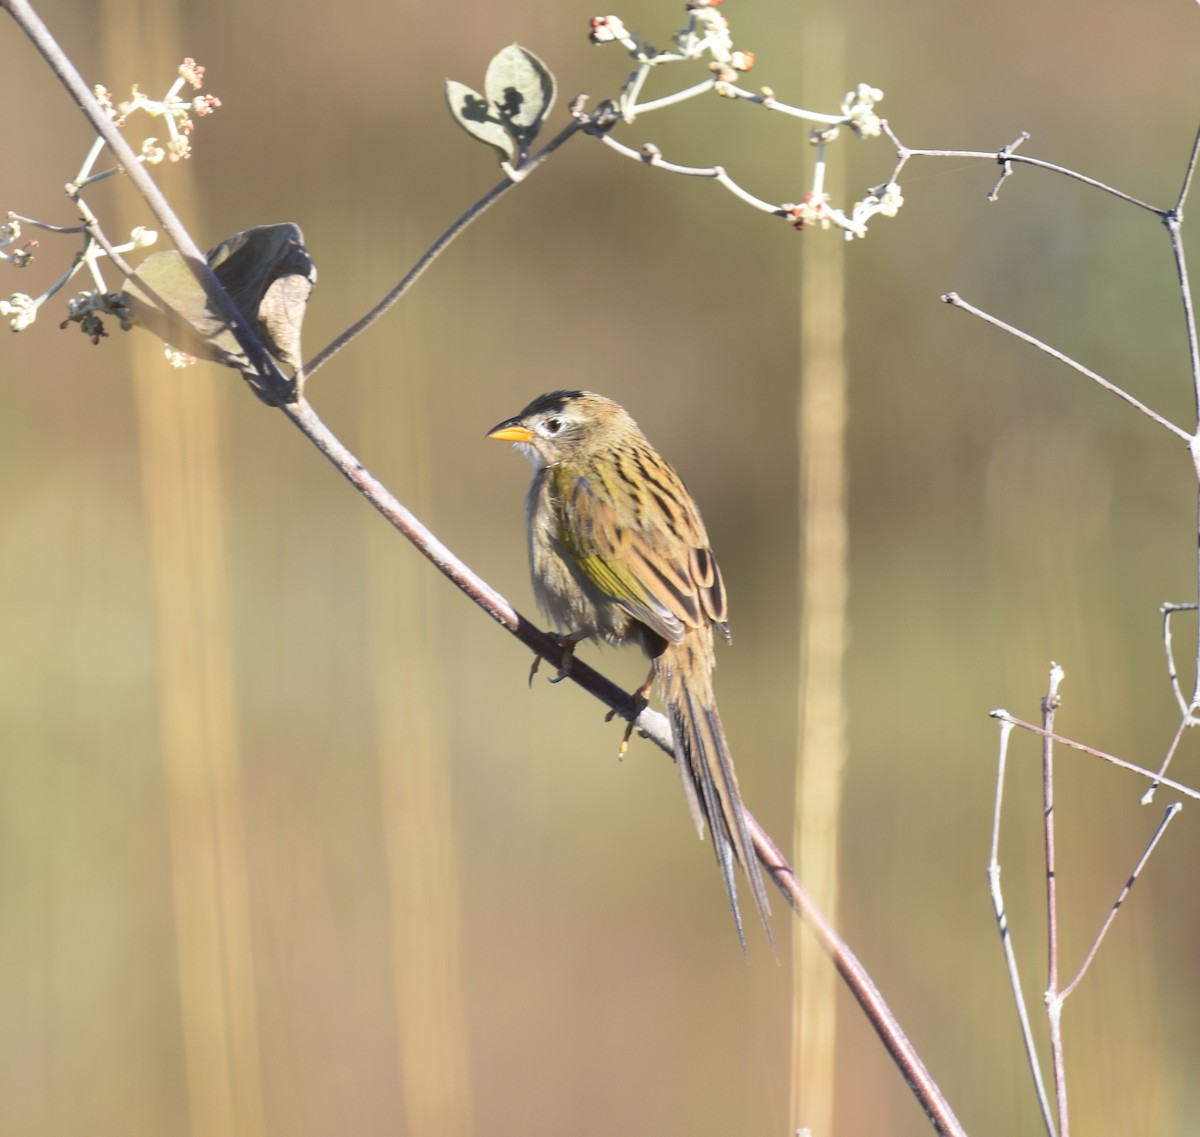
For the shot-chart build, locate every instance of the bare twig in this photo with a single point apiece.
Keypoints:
(956, 301)
(1188, 176)
(1006, 156)
(1010, 957)
(1050, 704)
(632, 110)
(1172, 219)
(1184, 723)
(45, 225)
(1133, 768)
(1188, 717)
(936, 1108)
(1005, 160)
(1168, 610)
(650, 155)
(1194, 448)
(1174, 223)
(436, 249)
(1172, 811)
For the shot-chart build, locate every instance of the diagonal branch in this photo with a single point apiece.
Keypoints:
(578, 123)
(1003, 716)
(1172, 812)
(956, 301)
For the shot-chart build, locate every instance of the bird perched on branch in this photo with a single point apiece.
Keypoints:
(617, 551)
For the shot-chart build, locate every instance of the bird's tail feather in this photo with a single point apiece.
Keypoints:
(706, 770)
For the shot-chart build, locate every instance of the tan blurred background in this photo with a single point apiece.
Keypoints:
(447, 885)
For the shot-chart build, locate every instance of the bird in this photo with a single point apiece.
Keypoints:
(618, 552)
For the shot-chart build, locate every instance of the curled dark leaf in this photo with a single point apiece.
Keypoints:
(268, 274)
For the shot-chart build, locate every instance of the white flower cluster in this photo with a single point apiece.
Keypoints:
(859, 108)
(176, 112)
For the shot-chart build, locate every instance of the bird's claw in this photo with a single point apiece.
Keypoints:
(641, 702)
(568, 657)
(564, 668)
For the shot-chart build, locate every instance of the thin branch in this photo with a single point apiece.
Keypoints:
(769, 102)
(880, 1015)
(1141, 771)
(1006, 156)
(1050, 704)
(650, 155)
(92, 227)
(1188, 175)
(1010, 958)
(1188, 716)
(956, 301)
(1174, 223)
(1194, 447)
(436, 249)
(1172, 811)
(1075, 175)
(1184, 723)
(33, 222)
(1168, 610)
(635, 109)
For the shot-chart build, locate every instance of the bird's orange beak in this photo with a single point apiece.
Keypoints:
(510, 432)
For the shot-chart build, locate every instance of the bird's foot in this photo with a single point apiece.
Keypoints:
(641, 698)
(567, 643)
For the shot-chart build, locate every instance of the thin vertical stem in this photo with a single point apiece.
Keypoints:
(1173, 220)
(1006, 939)
(1195, 701)
(1050, 705)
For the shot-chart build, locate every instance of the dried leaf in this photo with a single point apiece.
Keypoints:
(266, 271)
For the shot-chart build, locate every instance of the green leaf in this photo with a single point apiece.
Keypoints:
(471, 112)
(520, 89)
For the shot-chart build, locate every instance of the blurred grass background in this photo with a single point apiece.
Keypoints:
(1003, 514)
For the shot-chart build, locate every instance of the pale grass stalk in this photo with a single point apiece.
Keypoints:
(408, 656)
(184, 502)
(824, 590)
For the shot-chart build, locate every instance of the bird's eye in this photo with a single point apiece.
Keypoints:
(553, 425)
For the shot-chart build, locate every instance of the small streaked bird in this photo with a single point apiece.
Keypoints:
(617, 551)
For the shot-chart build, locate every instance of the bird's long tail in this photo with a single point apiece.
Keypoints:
(706, 769)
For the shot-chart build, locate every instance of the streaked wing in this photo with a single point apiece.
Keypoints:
(657, 565)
